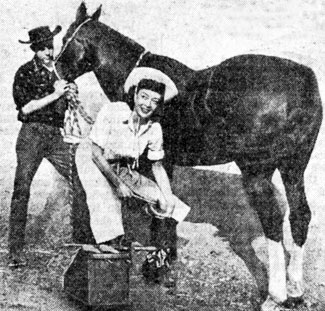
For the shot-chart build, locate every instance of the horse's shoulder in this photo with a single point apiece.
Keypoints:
(115, 111)
(120, 105)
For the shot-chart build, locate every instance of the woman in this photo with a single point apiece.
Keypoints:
(118, 138)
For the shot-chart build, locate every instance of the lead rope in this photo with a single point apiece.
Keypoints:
(72, 133)
(70, 179)
(71, 129)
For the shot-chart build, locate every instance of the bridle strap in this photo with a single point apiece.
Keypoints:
(140, 58)
(71, 38)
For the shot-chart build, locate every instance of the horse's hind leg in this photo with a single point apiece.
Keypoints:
(292, 173)
(257, 181)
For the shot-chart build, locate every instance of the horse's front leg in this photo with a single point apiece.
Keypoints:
(257, 181)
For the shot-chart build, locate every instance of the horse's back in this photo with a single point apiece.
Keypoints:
(250, 104)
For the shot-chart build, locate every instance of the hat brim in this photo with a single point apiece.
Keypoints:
(139, 73)
(56, 30)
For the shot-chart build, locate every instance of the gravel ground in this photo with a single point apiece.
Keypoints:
(211, 272)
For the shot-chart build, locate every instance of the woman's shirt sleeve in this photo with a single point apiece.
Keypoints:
(101, 128)
(155, 144)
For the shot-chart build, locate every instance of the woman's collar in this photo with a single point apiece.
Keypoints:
(136, 126)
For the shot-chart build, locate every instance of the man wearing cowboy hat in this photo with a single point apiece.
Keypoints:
(40, 100)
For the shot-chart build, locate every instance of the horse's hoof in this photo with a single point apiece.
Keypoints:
(294, 302)
(270, 305)
(263, 294)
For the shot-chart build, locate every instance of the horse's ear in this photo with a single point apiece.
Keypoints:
(96, 15)
(81, 13)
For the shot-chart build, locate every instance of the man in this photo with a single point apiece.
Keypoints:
(41, 103)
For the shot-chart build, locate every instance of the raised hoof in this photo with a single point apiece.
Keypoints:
(107, 249)
(294, 302)
(90, 249)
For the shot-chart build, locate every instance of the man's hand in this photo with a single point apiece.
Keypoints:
(123, 191)
(72, 88)
(60, 87)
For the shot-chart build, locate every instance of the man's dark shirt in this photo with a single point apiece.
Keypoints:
(34, 81)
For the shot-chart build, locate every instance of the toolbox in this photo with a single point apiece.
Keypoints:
(98, 280)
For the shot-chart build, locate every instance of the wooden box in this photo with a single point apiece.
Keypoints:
(98, 280)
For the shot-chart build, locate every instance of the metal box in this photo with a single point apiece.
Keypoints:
(98, 280)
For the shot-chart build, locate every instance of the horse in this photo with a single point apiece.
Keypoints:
(262, 112)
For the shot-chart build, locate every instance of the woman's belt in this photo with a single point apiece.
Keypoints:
(122, 162)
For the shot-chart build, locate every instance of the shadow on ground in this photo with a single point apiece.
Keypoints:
(216, 198)
(219, 199)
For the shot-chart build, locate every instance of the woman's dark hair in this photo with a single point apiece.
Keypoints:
(152, 85)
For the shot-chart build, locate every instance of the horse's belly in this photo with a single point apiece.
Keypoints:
(214, 145)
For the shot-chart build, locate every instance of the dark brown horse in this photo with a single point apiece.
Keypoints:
(262, 112)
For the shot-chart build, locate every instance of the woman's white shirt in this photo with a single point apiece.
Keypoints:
(115, 132)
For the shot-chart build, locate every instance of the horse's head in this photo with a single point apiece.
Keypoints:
(90, 45)
(78, 54)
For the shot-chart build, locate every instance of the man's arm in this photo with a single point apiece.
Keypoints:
(60, 87)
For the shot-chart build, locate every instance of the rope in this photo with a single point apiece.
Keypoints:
(71, 122)
(70, 179)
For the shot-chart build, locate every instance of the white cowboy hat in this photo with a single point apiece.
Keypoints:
(139, 73)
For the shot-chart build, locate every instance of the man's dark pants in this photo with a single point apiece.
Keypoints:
(35, 142)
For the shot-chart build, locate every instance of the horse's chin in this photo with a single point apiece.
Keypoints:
(70, 77)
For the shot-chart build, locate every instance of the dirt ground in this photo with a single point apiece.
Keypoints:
(222, 250)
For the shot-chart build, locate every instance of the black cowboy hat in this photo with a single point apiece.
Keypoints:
(41, 34)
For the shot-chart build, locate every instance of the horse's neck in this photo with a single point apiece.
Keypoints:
(115, 64)
(177, 71)
(111, 85)
(112, 78)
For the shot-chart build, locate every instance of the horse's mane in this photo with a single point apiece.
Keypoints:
(123, 42)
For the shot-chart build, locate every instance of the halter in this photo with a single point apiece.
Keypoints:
(69, 40)
(140, 58)
(72, 37)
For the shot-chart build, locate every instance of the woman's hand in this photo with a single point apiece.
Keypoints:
(123, 191)
(166, 200)
(167, 205)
